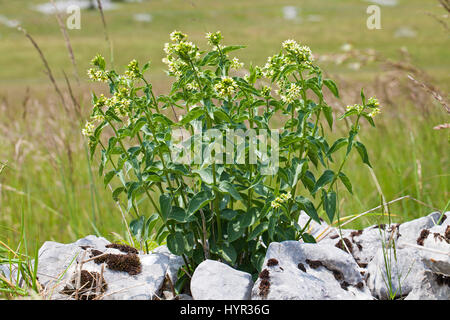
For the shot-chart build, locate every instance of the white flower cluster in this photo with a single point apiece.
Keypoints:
(292, 93)
(214, 38)
(226, 87)
(372, 104)
(97, 75)
(88, 129)
(298, 53)
(274, 65)
(133, 71)
(280, 200)
(179, 53)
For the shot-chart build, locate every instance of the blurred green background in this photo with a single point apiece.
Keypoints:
(48, 182)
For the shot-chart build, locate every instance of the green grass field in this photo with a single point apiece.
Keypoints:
(49, 180)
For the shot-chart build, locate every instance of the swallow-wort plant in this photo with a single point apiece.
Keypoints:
(224, 210)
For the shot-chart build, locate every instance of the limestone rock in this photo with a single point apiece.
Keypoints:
(304, 271)
(213, 280)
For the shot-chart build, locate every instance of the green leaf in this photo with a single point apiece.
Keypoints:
(205, 175)
(329, 204)
(308, 206)
(328, 112)
(332, 86)
(363, 97)
(300, 168)
(248, 218)
(348, 113)
(117, 192)
(228, 214)
(228, 253)
(272, 224)
(308, 238)
(260, 228)
(368, 118)
(227, 187)
(231, 48)
(165, 203)
(346, 181)
(234, 230)
(199, 201)
(108, 177)
(193, 114)
(326, 177)
(362, 152)
(137, 227)
(339, 143)
(178, 214)
(177, 243)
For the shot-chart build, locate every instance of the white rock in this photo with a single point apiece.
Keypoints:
(213, 280)
(55, 258)
(304, 271)
(175, 262)
(315, 229)
(59, 264)
(432, 287)
(393, 274)
(388, 3)
(291, 13)
(64, 5)
(143, 17)
(410, 231)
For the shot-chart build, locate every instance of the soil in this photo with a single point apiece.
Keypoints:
(264, 274)
(381, 226)
(272, 262)
(123, 248)
(356, 233)
(337, 275)
(361, 264)
(89, 281)
(314, 263)
(119, 262)
(301, 266)
(423, 235)
(447, 233)
(341, 246)
(264, 288)
(124, 262)
(345, 285)
(441, 237)
(334, 236)
(360, 285)
(442, 280)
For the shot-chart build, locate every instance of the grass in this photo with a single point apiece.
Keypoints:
(50, 187)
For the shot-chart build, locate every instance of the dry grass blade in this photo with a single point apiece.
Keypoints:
(445, 4)
(100, 7)
(74, 101)
(47, 67)
(67, 40)
(424, 248)
(442, 126)
(433, 91)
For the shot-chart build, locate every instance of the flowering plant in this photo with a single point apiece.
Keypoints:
(205, 207)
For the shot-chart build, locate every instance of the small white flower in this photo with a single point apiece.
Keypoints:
(236, 64)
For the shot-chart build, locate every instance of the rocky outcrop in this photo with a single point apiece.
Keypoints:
(397, 261)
